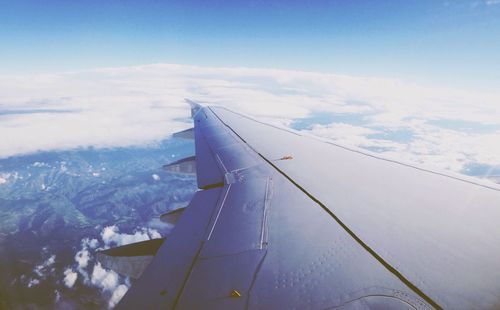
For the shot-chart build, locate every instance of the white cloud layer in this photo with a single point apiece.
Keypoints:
(137, 105)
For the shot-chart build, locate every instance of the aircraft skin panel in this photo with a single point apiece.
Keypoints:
(312, 263)
(275, 247)
(164, 278)
(286, 221)
(207, 169)
(214, 281)
(437, 230)
(239, 225)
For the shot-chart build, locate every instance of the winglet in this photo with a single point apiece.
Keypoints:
(195, 107)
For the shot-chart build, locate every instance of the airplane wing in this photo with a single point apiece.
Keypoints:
(286, 221)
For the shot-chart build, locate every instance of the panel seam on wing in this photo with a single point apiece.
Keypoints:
(491, 187)
(381, 260)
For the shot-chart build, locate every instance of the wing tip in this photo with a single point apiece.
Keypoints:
(195, 107)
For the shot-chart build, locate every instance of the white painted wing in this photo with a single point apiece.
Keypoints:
(285, 221)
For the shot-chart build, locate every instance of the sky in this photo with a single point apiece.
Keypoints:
(417, 80)
(445, 128)
(414, 81)
(448, 43)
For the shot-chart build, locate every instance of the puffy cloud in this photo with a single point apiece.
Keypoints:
(111, 236)
(57, 296)
(155, 177)
(108, 234)
(45, 267)
(91, 243)
(153, 233)
(50, 261)
(109, 281)
(70, 277)
(94, 274)
(82, 258)
(117, 295)
(33, 282)
(6, 177)
(104, 279)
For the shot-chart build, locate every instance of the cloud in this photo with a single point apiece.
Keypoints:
(45, 267)
(117, 295)
(57, 296)
(50, 261)
(70, 277)
(91, 243)
(82, 258)
(492, 2)
(9, 177)
(153, 233)
(33, 282)
(112, 285)
(111, 236)
(103, 278)
(143, 104)
(355, 135)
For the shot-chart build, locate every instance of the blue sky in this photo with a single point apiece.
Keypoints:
(436, 42)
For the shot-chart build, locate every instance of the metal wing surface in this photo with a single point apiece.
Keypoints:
(286, 221)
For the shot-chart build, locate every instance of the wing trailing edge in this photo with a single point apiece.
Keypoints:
(132, 259)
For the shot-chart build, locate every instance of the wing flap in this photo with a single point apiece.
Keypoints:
(132, 259)
(164, 279)
(184, 166)
(208, 170)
